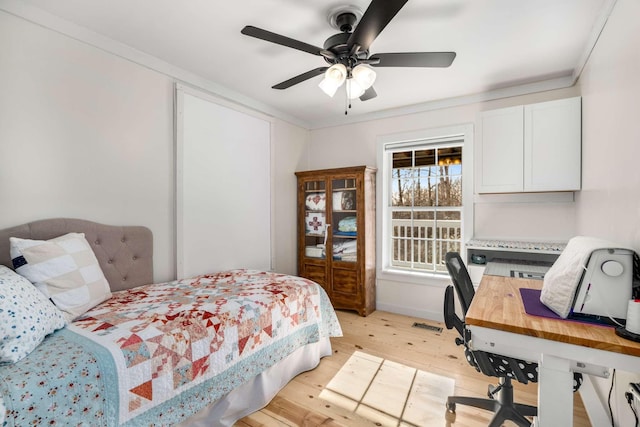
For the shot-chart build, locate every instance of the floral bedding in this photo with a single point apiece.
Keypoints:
(157, 354)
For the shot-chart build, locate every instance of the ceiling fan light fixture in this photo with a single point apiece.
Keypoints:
(354, 89)
(364, 75)
(328, 87)
(333, 79)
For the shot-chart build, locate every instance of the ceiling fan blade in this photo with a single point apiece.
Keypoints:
(376, 17)
(259, 33)
(413, 59)
(368, 94)
(300, 78)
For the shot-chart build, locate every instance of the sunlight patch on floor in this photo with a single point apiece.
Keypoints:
(389, 393)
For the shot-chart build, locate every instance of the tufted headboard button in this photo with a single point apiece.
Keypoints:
(134, 258)
(97, 242)
(123, 240)
(110, 261)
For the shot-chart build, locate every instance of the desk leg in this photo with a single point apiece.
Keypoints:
(555, 392)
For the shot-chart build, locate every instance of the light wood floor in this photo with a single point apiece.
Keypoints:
(392, 337)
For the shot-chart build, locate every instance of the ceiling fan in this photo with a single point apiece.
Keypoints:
(348, 51)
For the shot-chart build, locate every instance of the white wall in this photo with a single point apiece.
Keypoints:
(609, 204)
(500, 216)
(87, 134)
(83, 134)
(290, 155)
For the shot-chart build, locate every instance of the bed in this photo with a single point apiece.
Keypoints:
(202, 351)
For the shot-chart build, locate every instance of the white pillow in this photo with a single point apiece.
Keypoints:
(26, 316)
(64, 269)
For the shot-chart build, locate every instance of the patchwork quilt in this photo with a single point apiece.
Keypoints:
(157, 354)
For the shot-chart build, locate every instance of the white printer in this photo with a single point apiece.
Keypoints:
(592, 278)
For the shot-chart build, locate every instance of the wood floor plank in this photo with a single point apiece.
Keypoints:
(391, 337)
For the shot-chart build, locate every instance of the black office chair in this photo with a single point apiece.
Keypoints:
(493, 365)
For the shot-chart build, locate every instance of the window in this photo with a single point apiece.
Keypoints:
(424, 193)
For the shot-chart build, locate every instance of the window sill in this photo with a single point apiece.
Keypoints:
(426, 279)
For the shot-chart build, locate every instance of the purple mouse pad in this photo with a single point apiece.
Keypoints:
(533, 306)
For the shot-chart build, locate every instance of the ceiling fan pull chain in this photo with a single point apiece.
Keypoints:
(346, 97)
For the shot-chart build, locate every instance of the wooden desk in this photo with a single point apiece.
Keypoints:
(498, 323)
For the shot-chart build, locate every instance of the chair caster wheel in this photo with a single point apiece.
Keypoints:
(450, 415)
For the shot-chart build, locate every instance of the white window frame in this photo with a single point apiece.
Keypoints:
(412, 140)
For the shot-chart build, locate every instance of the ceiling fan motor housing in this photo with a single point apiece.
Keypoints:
(337, 44)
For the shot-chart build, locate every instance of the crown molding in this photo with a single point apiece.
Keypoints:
(84, 35)
(46, 20)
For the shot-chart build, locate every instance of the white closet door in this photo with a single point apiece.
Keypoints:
(223, 188)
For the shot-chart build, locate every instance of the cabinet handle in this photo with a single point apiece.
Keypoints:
(326, 232)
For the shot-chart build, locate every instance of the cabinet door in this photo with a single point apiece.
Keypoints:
(315, 226)
(344, 219)
(552, 145)
(499, 157)
(346, 289)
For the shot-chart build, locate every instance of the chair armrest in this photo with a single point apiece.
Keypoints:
(451, 319)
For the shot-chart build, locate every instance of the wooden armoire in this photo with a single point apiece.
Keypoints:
(336, 234)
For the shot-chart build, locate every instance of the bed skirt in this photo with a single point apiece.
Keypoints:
(258, 392)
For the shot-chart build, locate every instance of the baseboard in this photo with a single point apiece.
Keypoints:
(436, 316)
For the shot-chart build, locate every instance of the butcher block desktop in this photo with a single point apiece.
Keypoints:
(498, 323)
(498, 305)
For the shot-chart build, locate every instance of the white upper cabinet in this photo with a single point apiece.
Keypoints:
(501, 150)
(530, 148)
(552, 145)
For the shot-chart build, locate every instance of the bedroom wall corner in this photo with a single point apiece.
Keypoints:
(290, 154)
(609, 204)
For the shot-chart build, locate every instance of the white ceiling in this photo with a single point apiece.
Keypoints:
(522, 45)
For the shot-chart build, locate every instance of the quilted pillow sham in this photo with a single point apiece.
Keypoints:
(26, 316)
(64, 269)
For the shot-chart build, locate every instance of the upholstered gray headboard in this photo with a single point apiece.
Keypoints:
(125, 253)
